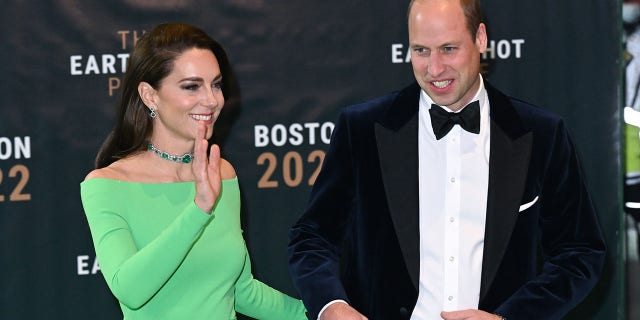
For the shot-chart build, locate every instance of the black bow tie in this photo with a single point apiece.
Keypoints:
(442, 121)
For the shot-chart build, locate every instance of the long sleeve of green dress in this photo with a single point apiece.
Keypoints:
(163, 258)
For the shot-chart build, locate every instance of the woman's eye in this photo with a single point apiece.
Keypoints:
(191, 87)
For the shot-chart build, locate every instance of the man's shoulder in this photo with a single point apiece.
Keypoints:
(525, 110)
(536, 116)
(406, 97)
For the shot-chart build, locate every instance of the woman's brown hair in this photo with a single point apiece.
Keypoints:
(151, 61)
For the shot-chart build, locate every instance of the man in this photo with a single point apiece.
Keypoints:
(422, 214)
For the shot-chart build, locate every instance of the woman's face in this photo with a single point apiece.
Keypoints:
(190, 93)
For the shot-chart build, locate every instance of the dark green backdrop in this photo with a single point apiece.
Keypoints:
(297, 63)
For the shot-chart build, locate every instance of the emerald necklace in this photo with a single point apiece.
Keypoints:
(185, 158)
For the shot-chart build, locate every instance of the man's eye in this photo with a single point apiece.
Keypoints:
(421, 51)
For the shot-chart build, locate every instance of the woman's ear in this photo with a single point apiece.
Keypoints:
(147, 95)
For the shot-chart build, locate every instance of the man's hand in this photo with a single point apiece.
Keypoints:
(470, 314)
(341, 311)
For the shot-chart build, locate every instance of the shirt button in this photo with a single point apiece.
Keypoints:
(451, 258)
(450, 298)
(452, 219)
(453, 179)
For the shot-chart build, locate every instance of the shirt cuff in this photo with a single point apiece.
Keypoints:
(328, 304)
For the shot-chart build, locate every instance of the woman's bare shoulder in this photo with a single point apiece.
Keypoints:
(115, 171)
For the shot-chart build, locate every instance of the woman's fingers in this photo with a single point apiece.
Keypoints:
(213, 169)
(200, 153)
(206, 173)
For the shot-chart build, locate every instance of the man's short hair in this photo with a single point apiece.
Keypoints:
(472, 12)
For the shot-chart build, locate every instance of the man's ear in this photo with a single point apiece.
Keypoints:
(147, 95)
(481, 38)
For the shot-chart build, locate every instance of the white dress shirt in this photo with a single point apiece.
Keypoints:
(453, 183)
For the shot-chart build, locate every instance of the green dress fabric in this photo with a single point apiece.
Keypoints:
(164, 258)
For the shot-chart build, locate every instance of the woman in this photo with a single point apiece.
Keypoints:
(164, 216)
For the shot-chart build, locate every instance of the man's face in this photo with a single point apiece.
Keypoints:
(444, 56)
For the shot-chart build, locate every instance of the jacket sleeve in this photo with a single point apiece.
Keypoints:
(315, 241)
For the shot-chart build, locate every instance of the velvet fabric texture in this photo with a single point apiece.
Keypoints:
(358, 239)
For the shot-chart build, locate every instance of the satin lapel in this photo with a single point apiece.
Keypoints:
(508, 166)
(397, 142)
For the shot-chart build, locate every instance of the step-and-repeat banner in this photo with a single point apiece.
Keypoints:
(296, 63)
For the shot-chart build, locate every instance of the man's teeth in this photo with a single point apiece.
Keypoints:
(441, 84)
(201, 117)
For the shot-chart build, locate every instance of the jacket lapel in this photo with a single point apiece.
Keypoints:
(397, 142)
(508, 166)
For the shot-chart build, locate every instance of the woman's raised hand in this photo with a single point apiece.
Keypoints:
(206, 171)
